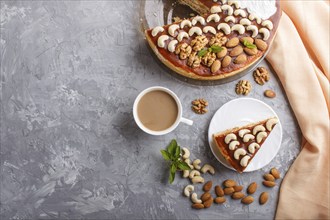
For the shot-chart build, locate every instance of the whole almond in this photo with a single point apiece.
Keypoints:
(237, 195)
(207, 186)
(275, 173)
(263, 198)
(208, 203)
(236, 51)
(247, 200)
(238, 188)
(219, 191)
(220, 200)
(270, 93)
(222, 53)
(205, 196)
(197, 206)
(251, 51)
(269, 177)
(215, 66)
(229, 191)
(248, 39)
(240, 59)
(252, 188)
(261, 45)
(226, 61)
(268, 183)
(232, 42)
(229, 183)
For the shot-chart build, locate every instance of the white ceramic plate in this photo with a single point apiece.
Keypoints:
(239, 112)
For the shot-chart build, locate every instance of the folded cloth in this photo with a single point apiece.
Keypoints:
(300, 58)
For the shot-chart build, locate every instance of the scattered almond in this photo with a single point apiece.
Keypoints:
(247, 200)
(240, 59)
(207, 186)
(215, 66)
(268, 183)
(232, 42)
(275, 173)
(219, 191)
(205, 196)
(262, 45)
(270, 93)
(269, 177)
(229, 191)
(252, 188)
(236, 51)
(229, 183)
(220, 200)
(237, 195)
(208, 203)
(263, 198)
(226, 61)
(238, 188)
(197, 206)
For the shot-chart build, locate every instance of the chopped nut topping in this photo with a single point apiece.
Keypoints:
(208, 59)
(194, 60)
(219, 39)
(261, 75)
(199, 43)
(199, 106)
(184, 50)
(243, 87)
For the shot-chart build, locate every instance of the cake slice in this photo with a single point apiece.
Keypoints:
(222, 41)
(239, 145)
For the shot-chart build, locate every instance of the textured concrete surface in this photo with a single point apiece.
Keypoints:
(70, 72)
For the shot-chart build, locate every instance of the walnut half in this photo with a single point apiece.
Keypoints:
(261, 75)
(184, 50)
(243, 87)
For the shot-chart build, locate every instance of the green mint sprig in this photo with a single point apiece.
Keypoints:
(249, 45)
(172, 154)
(213, 48)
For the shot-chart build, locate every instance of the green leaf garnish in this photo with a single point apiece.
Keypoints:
(172, 154)
(202, 52)
(183, 165)
(216, 48)
(249, 45)
(171, 148)
(166, 155)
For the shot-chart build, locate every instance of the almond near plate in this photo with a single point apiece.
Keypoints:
(239, 112)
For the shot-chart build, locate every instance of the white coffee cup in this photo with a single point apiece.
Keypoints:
(179, 117)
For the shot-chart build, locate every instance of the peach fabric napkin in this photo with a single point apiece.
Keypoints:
(300, 57)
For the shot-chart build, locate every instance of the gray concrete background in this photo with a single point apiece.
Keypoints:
(70, 72)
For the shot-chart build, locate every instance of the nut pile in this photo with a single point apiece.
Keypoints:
(199, 106)
(232, 189)
(195, 173)
(243, 87)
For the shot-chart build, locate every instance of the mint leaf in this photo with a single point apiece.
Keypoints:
(177, 152)
(202, 52)
(216, 48)
(172, 176)
(171, 148)
(166, 155)
(173, 169)
(183, 165)
(249, 45)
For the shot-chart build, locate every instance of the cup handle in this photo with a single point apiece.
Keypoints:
(186, 121)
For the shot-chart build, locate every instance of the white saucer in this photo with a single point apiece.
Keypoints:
(239, 112)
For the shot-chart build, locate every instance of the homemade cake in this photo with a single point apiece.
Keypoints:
(222, 41)
(239, 145)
